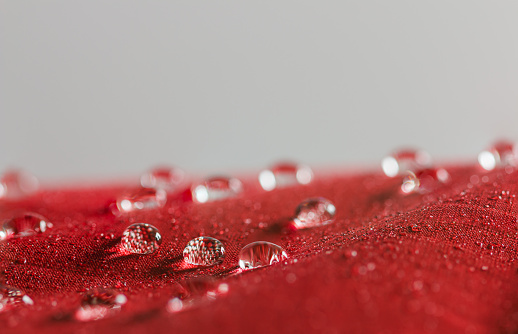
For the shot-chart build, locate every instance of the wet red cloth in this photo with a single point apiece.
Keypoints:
(443, 262)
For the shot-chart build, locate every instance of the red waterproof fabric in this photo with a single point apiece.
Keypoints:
(443, 262)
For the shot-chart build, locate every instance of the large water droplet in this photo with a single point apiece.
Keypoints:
(402, 161)
(501, 154)
(17, 183)
(12, 297)
(167, 178)
(142, 199)
(23, 225)
(99, 303)
(216, 188)
(261, 254)
(204, 251)
(314, 212)
(141, 238)
(285, 175)
(424, 181)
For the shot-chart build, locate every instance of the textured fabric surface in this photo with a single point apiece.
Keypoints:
(390, 262)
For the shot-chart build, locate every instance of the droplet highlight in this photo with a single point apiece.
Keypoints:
(260, 254)
(424, 181)
(216, 188)
(141, 238)
(204, 251)
(166, 178)
(99, 303)
(142, 199)
(26, 224)
(314, 212)
(402, 161)
(501, 154)
(16, 184)
(12, 297)
(285, 175)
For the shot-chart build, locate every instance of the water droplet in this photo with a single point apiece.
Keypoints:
(216, 188)
(12, 297)
(166, 178)
(425, 180)
(141, 238)
(285, 175)
(99, 303)
(24, 225)
(501, 154)
(400, 162)
(260, 254)
(314, 212)
(204, 251)
(15, 184)
(142, 199)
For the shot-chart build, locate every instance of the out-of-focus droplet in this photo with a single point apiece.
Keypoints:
(261, 254)
(204, 251)
(141, 238)
(12, 297)
(23, 225)
(285, 175)
(501, 154)
(402, 161)
(142, 199)
(425, 180)
(15, 184)
(98, 304)
(216, 188)
(166, 178)
(314, 212)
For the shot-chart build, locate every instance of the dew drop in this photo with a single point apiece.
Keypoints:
(400, 162)
(501, 154)
(23, 225)
(216, 188)
(260, 254)
(99, 303)
(425, 180)
(15, 184)
(314, 212)
(204, 251)
(166, 178)
(141, 238)
(12, 297)
(285, 175)
(142, 199)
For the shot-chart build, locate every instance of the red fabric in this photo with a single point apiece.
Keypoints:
(389, 263)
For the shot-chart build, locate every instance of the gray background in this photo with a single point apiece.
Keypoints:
(108, 88)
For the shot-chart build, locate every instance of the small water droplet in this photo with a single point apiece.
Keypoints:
(285, 175)
(141, 238)
(425, 180)
(204, 251)
(501, 154)
(216, 188)
(15, 184)
(23, 225)
(166, 178)
(314, 212)
(142, 199)
(260, 254)
(12, 297)
(402, 161)
(99, 303)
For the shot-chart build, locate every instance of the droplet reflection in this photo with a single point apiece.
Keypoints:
(260, 254)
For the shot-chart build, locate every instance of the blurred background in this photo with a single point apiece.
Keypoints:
(108, 88)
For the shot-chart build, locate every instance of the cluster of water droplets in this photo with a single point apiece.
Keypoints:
(413, 166)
